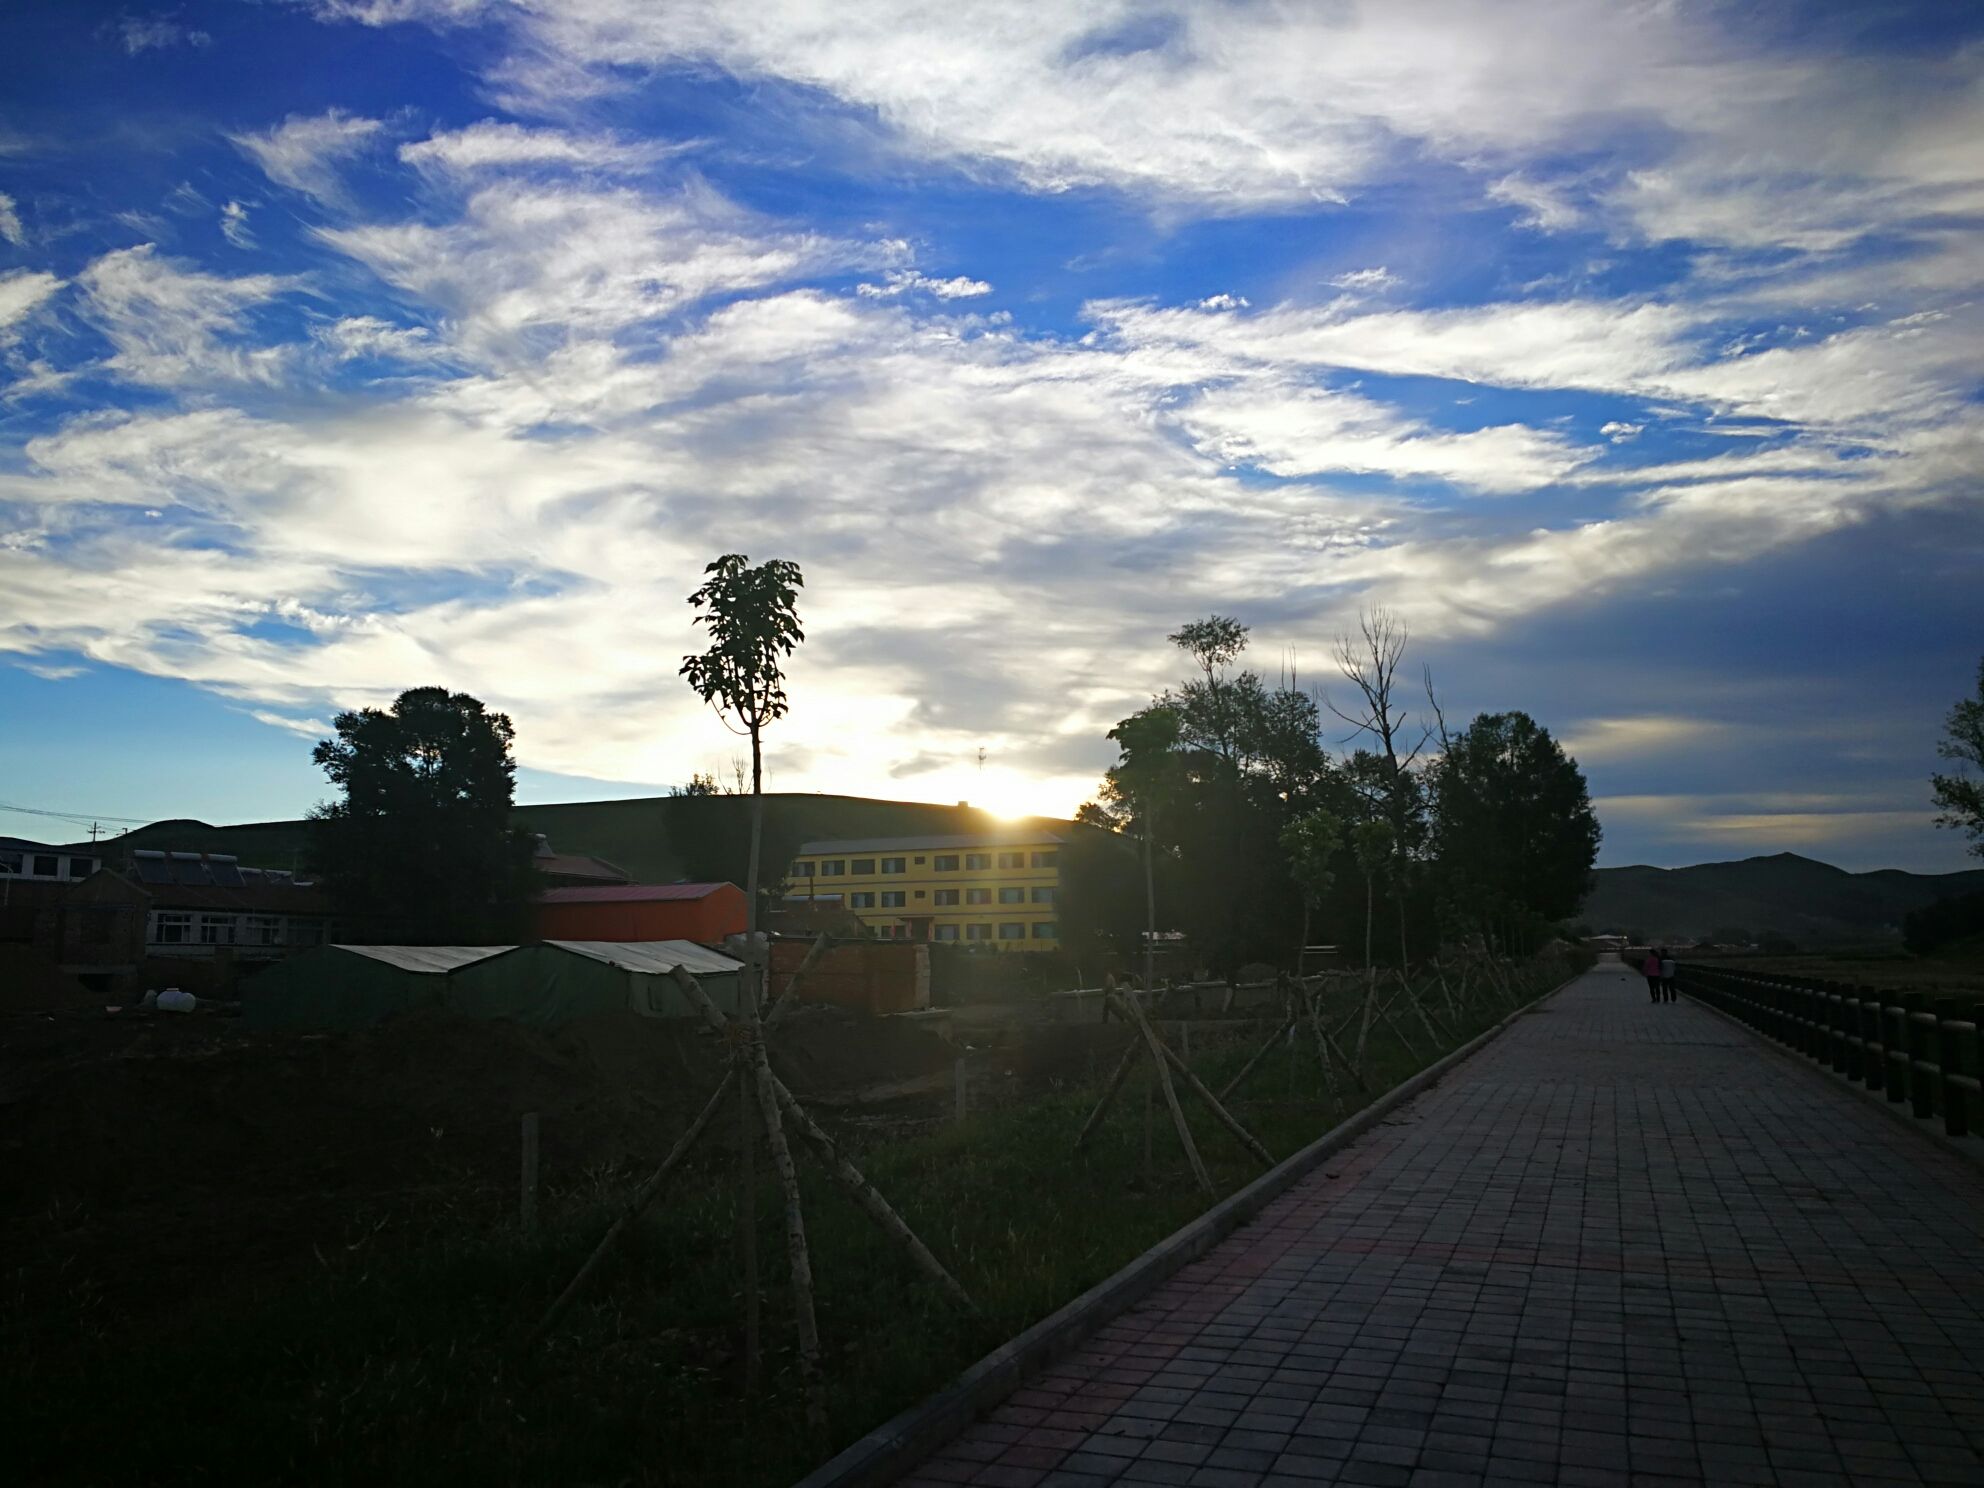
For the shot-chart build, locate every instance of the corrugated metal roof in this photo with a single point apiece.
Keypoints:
(654, 957)
(627, 893)
(432, 960)
(1012, 837)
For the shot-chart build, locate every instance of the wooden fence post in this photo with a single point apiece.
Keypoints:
(960, 1097)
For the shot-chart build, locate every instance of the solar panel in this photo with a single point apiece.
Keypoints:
(193, 873)
(226, 872)
(153, 871)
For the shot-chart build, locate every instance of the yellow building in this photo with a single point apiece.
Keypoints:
(999, 889)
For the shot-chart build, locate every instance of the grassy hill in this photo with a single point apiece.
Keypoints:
(1813, 903)
(657, 839)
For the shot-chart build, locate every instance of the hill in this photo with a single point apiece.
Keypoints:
(657, 839)
(1811, 902)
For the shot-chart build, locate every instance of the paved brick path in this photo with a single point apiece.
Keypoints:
(1625, 1244)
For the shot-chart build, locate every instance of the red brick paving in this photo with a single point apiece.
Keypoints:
(1625, 1244)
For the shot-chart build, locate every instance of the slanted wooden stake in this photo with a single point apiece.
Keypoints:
(1135, 1015)
(1115, 1084)
(644, 1196)
(1226, 1118)
(1259, 1054)
(865, 1194)
(798, 1258)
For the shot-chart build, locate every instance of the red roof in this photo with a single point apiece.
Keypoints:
(629, 893)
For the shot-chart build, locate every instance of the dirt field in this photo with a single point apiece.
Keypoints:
(1937, 976)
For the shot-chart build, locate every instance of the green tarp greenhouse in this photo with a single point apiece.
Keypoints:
(544, 985)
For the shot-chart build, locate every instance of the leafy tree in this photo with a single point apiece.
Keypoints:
(1145, 777)
(699, 785)
(1960, 797)
(751, 616)
(420, 849)
(1514, 827)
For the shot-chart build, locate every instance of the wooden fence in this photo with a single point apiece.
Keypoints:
(1919, 1050)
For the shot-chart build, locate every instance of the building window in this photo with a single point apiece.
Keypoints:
(892, 865)
(1045, 930)
(977, 860)
(305, 932)
(1047, 860)
(977, 896)
(46, 866)
(861, 900)
(1012, 860)
(172, 927)
(261, 930)
(892, 899)
(899, 932)
(977, 932)
(1012, 932)
(10, 862)
(834, 868)
(861, 865)
(1043, 896)
(946, 863)
(1012, 896)
(945, 896)
(944, 932)
(81, 867)
(216, 929)
(802, 870)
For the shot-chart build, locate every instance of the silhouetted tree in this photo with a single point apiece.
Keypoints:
(1514, 829)
(1960, 797)
(420, 848)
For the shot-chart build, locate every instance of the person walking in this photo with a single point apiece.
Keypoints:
(1650, 969)
(1667, 973)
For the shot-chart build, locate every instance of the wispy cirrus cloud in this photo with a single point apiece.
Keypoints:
(306, 153)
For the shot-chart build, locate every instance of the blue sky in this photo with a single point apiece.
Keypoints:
(1627, 351)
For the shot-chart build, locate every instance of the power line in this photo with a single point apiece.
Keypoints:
(74, 817)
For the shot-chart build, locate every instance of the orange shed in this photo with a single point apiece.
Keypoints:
(702, 912)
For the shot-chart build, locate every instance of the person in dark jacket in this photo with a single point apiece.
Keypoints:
(1650, 969)
(1667, 973)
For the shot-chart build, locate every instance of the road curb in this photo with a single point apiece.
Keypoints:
(893, 1447)
(1970, 1149)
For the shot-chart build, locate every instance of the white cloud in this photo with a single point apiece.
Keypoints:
(234, 225)
(1651, 735)
(368, 336)
(1621, 432)
(906, 281)
(171, 324)
(142, 34)
(1309, 431)
(1546, 208)
(307, 152)
(1366, 279)
(493, 145)
(21, 291)
(10, 222)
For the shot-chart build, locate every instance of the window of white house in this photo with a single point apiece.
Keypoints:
(1043, 896)
(861, 865)
(46, 865)
(81, 867)
(216, 929)
(305, 932)
(1012, 896)
(261, 930)
(946, 863)
(1045, 930)
(977, 896)
(892, 865)
(1047, 860)
(10, 862)
(862, 900)
(1012, 932)
(945, 896)
(945, 932)
(892, 898)
(1012, 860)
(977, 932)
(172, 927)
(978, 860)
(833, 868)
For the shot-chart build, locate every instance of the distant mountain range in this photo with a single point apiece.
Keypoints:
(1812, 903)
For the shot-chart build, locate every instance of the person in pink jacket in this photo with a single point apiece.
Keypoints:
(1650, 969)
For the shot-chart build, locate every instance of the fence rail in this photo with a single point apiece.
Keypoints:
(1920, 1051)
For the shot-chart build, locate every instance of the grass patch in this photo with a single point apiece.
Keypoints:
(400, 1364)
